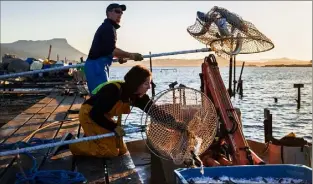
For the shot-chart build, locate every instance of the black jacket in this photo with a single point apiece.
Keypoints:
(104, 41)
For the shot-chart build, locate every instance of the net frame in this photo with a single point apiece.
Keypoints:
(147, 123)
(252, 40)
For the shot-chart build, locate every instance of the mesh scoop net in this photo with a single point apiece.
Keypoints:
(189, 107)
(238, 36)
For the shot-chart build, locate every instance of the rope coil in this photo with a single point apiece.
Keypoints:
(49, 176)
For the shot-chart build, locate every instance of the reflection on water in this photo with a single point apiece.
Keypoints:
(260, 87)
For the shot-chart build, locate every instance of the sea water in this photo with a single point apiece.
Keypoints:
(260, 86)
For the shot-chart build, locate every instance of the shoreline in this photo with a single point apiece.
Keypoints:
(173, 66)
(221, 63)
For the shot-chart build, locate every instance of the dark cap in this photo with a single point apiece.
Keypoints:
(115, 5)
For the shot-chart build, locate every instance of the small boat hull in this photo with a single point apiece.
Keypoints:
(153, 169)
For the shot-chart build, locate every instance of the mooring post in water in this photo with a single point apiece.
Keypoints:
(239, 85)
(230, 93)
(171, 86)
(152, 83)
(241, 89)
(49, 53)
(268, 125)
(234, 87)
(299, 94)
(184, 94)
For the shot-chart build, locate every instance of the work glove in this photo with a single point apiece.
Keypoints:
(119, 131)
(122, 60)
(136, 57)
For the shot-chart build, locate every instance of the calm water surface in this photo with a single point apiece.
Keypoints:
(261, 85)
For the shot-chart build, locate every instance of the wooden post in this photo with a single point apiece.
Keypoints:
(171, 86)
(239, 85)
(49, 52)
(268, 125)
(184, 94)
(299, 95)
(230, 77)
(152, 83)
(241, 89)
(234, 87)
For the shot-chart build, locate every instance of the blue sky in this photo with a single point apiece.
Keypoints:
(157, 26)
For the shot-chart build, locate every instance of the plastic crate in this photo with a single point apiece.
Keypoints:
(248, 171)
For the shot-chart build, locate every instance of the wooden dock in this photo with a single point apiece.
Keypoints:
(58, 106)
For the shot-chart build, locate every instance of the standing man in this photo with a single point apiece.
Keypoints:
(103, 48)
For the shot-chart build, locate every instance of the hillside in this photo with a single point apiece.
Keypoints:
(40, 49)
(60, 46)
(275, 62)
(19, 53)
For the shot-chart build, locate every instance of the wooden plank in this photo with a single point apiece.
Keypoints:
(94, 173)
(20, 127)
(56, 101)
(122, 170)
(32, 110)
(51, 132)
(48, 109)
(39, 105)
(41, 115)
(10, 172)
(141, 157)
(12, 126)
(64, 159)
(41, 92)
(19, 135)
(76, 106)
(47, 100)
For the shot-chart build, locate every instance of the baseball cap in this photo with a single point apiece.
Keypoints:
(115, 5)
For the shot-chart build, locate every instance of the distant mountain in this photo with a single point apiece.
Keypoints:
(19, 53)
(221, 62)
(274, 62)
(40, 49)
(60, 46)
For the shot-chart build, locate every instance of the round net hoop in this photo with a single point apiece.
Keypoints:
(189, 107)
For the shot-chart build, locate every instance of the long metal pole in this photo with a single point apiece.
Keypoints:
(61, 143)
(82, 64)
